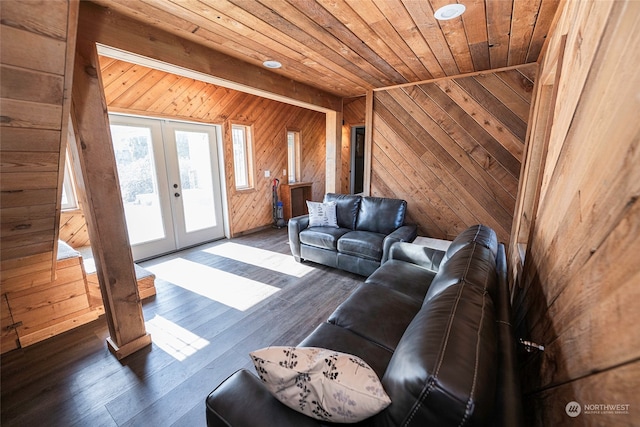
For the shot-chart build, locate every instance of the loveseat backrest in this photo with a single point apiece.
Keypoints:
(481, 234)
(443, 371)
(347, 206)
(381, 215)
(474, 264)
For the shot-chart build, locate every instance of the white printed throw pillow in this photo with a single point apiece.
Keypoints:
(323, 384)
(322, 214)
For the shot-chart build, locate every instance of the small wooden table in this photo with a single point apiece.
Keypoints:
(294, 198)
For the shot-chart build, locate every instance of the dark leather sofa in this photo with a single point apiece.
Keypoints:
(367, 227)
(435, 327)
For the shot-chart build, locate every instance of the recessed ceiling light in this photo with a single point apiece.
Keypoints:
(272, 64)
(449, 11)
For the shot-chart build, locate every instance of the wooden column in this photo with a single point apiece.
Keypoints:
(103, 207)
(368, 143)
(334, 151)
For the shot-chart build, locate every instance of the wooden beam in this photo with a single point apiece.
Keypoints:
(117, 31)
(368, 142)
(334, 151)
(103, 208)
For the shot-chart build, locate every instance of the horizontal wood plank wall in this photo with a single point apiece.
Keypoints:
(353, 114)
(36, 63)
(578, 289)
(452, 148)
(135, 89)
(33, 66)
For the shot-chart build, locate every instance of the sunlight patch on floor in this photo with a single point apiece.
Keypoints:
(173, 339)
(234, 291)
(273, 261)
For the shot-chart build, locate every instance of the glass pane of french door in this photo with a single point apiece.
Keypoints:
(136, 165)
(170, 183)
(196, 180)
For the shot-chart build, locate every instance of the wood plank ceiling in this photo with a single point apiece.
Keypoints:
(347, 47)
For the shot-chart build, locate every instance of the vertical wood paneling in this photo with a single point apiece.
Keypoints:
(452, 148)
(139, 90)
(577, 291)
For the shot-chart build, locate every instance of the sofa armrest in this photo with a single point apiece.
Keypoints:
(242, 400)
(423, 256)
(406, 233)
(296, 225)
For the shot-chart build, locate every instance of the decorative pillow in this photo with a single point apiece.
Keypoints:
(323, 384)
(322, 214)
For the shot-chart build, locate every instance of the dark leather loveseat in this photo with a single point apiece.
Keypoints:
(433, 325)
(367, 227)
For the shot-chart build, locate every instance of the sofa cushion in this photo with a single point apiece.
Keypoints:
(323, 384)
(328, 335)
(322, 214)
(480, 234)
(405, 277)
(364, 244)
(347, 206)
(380, 215)
(376, 313)
(322, 237)
(443, 371)
(474, 264)
(423, 256)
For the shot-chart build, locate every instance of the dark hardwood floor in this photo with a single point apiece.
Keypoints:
(215, 303)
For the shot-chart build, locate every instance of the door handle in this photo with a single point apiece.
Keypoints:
(176, 194)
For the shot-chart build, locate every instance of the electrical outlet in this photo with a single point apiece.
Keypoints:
(284, 172)
(267, 174)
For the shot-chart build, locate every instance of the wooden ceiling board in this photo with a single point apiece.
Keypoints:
(283, 41)
(421, 55)
(379, 54)
(544, 21)
(346, 47)
(413, 70)
(475, 26)
(310, 25)
(498, 30)
(523, 23)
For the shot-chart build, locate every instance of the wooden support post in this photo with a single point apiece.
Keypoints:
(334, 151)
(103, 207)
(368, 143)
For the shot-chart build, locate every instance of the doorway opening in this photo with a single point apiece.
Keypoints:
(357, 160)
(170, 183)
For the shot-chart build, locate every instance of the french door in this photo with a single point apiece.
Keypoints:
(169, 181)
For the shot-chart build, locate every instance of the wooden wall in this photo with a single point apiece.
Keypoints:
(36, 62)
(140, 90)
(578, 223)
(73, 228)
(452, 148)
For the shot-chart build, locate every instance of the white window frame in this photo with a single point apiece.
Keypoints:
(293, 156)
(242, 146)
(68, 186)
